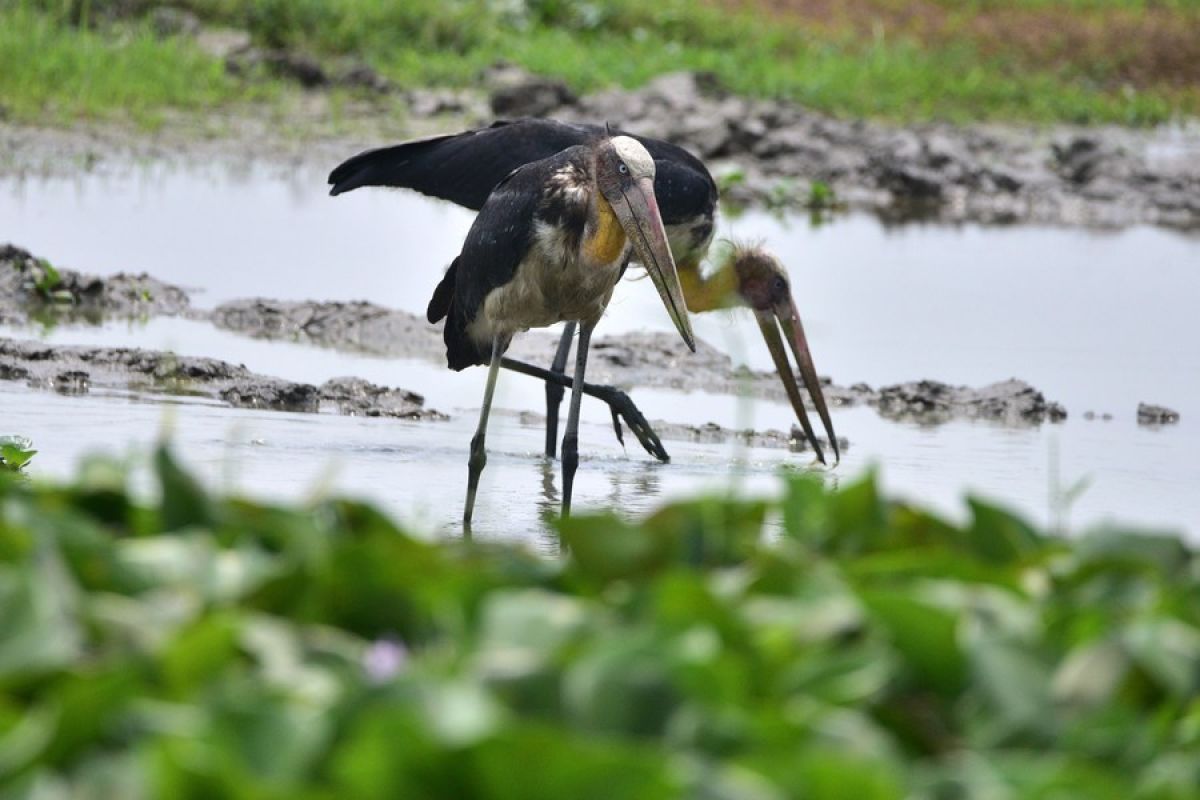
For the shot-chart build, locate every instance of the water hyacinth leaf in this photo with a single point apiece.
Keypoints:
(857, 516)
(533, 618)
(39, 631)
(571, 766)
(1171, 775)
(999, 536)
(15, 452)
(825, 773)
(1015, 686)
(460, 713)
(703, 533)
(25, 741)
(604, 548)
(1169, 650)
(200, 653)
(805, 508)
(387, 751)
(184, 502)
(709, 531)
(925, 635)
(622, 685)
(91, 710)
(1104, 549)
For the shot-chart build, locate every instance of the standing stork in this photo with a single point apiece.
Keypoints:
(549, 244)
(464, 167)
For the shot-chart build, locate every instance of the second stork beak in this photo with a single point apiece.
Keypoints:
(785, 316)
(644, 227)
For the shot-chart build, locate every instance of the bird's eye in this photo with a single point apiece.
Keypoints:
(621, 168)
(780, 286)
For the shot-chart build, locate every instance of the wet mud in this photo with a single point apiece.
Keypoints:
(32, 288)
(775, 152)
(630, 360)
(765, 152)
(76, 370)
(1152, 415)
(653, 360)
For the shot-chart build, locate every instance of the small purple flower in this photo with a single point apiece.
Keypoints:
(384, 659)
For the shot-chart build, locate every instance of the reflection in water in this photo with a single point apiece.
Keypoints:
(1097, 321)
(549, 503)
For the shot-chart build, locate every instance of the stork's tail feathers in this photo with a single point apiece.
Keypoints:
(461, 349)
(443, 295)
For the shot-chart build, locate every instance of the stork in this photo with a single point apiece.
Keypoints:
(549, 244)
(464, 167)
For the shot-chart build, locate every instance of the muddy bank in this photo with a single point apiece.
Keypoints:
(627, 360)
(767, 152)
(774, 152)
(78, 370)
(32, 288)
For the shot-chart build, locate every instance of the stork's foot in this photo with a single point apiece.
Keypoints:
(622, 408)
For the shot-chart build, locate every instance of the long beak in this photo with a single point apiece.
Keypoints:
(643, 225)
(787, 317)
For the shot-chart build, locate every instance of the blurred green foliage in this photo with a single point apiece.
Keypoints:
(202, 647)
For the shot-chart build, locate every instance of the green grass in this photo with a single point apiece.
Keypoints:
(51, 71)
(202, 646)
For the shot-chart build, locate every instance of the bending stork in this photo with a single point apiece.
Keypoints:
(549, 244)
(464, 167)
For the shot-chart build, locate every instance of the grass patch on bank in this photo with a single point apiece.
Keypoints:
(52, 72)
(207, 646)
(52, 69)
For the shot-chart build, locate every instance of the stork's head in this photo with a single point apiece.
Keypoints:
(625, 176)
(762, 284)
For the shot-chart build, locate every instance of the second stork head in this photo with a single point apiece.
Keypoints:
(761, 283)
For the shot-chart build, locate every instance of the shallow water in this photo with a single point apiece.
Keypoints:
(1097, 321)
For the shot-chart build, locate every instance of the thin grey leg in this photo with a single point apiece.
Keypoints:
(478, 458)
(554, 391)
(570, 444)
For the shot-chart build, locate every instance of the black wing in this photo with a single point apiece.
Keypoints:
(460, 167)
(464, 167)
(497, 243)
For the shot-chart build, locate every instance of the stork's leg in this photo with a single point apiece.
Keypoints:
(478, 458)
(554, 391)
(570, 444)
(619, 403)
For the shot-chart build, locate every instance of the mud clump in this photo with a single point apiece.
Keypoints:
(1148, 414)
(79, 369)
(513, 92)
(355, 396)
(358, 327)
(630, 359)
(32, 287)
(780, 151)
(1011, 402)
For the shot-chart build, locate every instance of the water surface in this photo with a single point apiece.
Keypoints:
(1097, 320)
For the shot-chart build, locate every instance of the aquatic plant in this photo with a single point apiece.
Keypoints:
(205, 646)
(15, 453)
